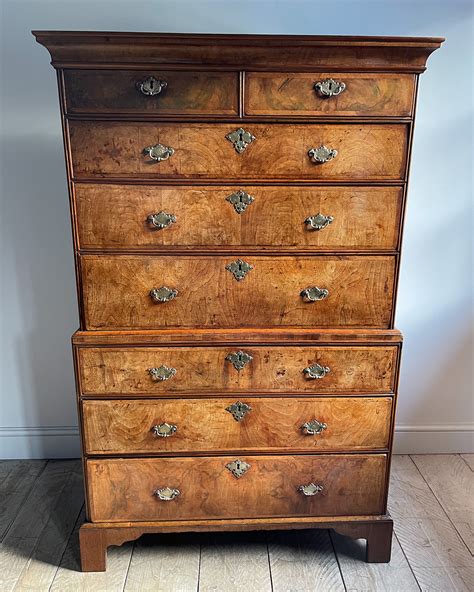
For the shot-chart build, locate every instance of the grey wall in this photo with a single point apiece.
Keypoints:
(38, 301)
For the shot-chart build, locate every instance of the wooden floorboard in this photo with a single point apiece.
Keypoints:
(42, 566)
(452, 482)
(16, 480)
(469, 459)
(303, 560)
(234, 562)
(436, 553)
(430, 500)
(69, 578)
(21, 540)
(165, 563)
(395, 576)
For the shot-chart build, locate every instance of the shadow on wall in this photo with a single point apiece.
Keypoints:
(42, 274)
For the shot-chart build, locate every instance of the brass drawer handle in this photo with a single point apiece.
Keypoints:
(239, 359)
(161, 373)
(240, 139)
(238, 410)
(318, 222)
(150, 86)
(163, 294)
(310, 489)
(322, 154)
(161, 220)
(313, 294)
(164, 430)
(166, 494)
(316, 371)
(158, 152)
(313, 427)
(329, 87)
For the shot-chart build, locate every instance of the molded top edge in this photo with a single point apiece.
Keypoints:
(143, 37)
(89, 49)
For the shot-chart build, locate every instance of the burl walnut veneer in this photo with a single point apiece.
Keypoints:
(237, 206)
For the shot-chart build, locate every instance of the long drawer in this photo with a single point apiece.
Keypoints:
(152, 93)
(203, 487)
(147, 217)
(278, 151)
(121, 292)
(226, 425)
(161, 371)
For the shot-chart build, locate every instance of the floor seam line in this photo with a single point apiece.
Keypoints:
(330, 533)
(407, 560)
(128, 566)
(23, 502)
(442, 507)
(269, 562)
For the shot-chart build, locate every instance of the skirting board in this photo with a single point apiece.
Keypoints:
(63, 442)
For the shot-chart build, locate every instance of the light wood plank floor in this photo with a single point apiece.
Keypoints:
(431, 501)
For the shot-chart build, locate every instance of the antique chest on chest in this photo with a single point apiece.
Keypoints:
(237, 206)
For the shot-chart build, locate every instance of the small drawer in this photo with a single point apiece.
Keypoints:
(151, 92)
(338, 152)
(165, 371)
(121, 490)
(323, 94)
(153, 292)
(226, 425)
(150, 217)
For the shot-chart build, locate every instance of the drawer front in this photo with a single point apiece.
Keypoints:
(364, 151)
(129, 371)
(151, 92)
(131, 217)
(202, 291)
(124, 489)
(313, 94)
(226, 425)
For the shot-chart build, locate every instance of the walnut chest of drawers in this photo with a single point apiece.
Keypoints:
(237, 206)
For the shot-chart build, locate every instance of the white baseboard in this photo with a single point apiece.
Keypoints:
(63, 441)
(40, 442)
(434, 439)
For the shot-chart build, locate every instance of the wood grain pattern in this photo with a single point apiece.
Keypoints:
(69, 577)
(18, 478)
(186, 93)
(42, 566)
(172, 560)
(395, 576)
(116, 292)
(114, 187)
(122, 489)
(235, 336)
(303, 561)
(365, 151)
(450, 479)
(96, 537)
(34, 524)
(268, 52)
(205, 425)
(234, 562)
(164, 564)
(437, 555)
(124, 371)
(273, 93)
(115, 217)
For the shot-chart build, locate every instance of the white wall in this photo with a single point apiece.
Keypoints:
(38, 302)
